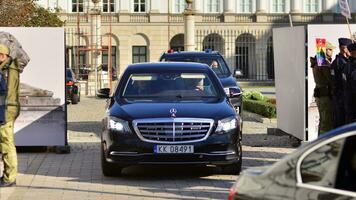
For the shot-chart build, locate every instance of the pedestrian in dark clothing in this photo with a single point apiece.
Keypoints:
(336, 80)
(349, 86)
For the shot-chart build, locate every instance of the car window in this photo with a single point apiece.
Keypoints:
(216, 63)
(346, 173)
(319, 168)
(169, 84)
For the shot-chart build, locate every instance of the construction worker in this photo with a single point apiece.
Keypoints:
(336, 76)
(322, 90)
(10, 74)
(349, 83)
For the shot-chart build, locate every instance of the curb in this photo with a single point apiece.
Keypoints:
(249, 116)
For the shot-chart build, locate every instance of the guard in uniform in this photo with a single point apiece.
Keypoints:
(349, 86)
(322, 90)
(336, 77)
(9, 99)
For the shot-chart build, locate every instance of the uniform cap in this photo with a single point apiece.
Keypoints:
(352, 47)
(344, 41)
(329, 46)
(4, 49)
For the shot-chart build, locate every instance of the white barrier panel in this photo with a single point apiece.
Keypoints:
(289, 63)
(42, 120)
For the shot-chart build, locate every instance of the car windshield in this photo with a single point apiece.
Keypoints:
(170, 85)
(215, 63)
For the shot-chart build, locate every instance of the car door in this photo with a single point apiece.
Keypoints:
(321, 170)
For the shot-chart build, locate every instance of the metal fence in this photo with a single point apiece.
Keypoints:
(249, 51)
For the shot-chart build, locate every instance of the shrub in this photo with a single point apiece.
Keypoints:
(272, 101)
(263, 108)
(254, 95)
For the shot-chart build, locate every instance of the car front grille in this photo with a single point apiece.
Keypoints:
(173, 130)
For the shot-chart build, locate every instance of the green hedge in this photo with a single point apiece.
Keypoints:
(260, 107)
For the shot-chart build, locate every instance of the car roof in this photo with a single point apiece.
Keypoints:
(159, 66)
(339, 131)
(191, 53)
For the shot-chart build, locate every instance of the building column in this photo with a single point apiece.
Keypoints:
(229, 11)
(155, 6)
(228, 6)
(155, 12)
(327, 6)
(261, 6)
(198, 6)
(261, 11)
(124, 11)
(296, 6)
(327, 10)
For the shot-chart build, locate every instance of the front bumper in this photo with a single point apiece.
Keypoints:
(126, 150)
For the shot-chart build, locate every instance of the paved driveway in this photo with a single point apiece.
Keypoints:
(78, 175)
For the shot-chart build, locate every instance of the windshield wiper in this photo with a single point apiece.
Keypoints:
(179, 96)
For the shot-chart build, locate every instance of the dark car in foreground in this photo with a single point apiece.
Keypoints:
(322, 169)
(170, 113)
(72, 87)
(221, 69)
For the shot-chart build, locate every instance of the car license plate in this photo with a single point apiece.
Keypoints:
(173, 149)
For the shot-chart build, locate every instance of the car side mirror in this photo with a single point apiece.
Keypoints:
(238, 73)
(233, 92)
(103, 93)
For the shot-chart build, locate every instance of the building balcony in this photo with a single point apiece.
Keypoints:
(209, 18)
(139, 18)
(217, 18)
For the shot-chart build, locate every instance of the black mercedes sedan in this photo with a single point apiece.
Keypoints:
(170, 113)
(322, 169)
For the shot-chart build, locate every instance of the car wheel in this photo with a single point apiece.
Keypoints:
(109, 169)
(234, 168)
(75, 98)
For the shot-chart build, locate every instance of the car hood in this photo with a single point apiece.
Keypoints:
(228, 81)
(138, 110)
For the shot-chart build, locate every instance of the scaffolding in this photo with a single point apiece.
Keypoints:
(86, 49)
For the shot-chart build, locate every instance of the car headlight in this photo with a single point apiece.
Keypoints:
(119, 125)
(227, 124)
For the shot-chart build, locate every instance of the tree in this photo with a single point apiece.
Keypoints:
(15, 12)
(26, 13)
(42, 17)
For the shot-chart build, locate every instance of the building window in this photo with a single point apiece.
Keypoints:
(105, 60)
(246, 6)
(213, 6)
(179, 6)
(79, 61)
(139, 54)
(108, 5)
(311, 6)
(278, 6)
(77, 5)
(139, 5)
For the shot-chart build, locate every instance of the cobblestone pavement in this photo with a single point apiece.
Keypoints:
(77, 175)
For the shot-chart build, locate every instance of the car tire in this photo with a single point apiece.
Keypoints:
(234, 168)
(75, 98)
(109, 169)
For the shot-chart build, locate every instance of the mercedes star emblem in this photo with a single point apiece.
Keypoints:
(173, 112)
